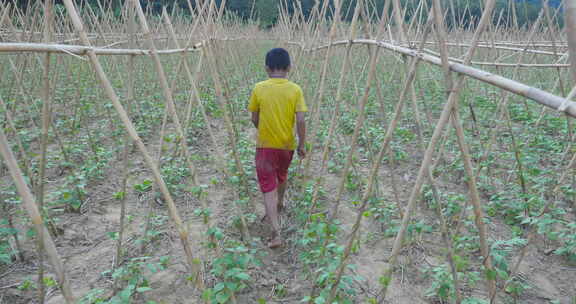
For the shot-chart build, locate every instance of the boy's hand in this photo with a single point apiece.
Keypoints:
(301, 151)
(255, 119)
(301, 130)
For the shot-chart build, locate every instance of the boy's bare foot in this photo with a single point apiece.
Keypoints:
(275, 243)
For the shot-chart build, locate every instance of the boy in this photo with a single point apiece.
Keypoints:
(275, 104)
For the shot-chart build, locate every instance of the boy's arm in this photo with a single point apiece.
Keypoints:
(255, 119)
(301, 130)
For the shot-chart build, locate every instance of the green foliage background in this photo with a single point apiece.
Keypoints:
(466, 12)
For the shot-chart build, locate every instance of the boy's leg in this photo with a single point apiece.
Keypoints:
(284, 164)
(281, 191)
(271, 205)
(266, 169)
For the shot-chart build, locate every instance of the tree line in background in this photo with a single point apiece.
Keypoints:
(460, 12)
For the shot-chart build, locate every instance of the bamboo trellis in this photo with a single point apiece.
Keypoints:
(312, 44)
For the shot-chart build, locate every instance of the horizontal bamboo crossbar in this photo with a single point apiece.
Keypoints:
(560, 54)
(550, 44)
(83, 50)
(19, 47)
(540, 96)
(509, 65)
(506, 48)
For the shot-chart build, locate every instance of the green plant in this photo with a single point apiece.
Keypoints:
(173, 173)
(500, 250)
(154, 230)
(6, 252)
(49, 282)
(144, 186)
(385, 213)
(232, 271)
(73, 193)
(27, 284)
(567, 236)
(132, 277)
(516, 287)
(442, 283)
(93, 297)
(442, 286)
(321, 253)
(474, 301)
(352, 182)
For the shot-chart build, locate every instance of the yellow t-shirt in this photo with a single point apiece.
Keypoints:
(277, 100)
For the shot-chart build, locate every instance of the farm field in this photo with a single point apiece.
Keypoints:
(401, 198)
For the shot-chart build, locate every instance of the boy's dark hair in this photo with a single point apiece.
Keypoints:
(278, 59)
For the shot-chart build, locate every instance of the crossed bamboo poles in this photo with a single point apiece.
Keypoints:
(549, 100)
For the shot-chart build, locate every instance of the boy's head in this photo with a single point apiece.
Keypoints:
(278, 59)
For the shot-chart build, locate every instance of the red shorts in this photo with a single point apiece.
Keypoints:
(272, 167)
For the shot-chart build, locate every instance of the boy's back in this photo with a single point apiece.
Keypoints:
(277, 100)
(276, 105)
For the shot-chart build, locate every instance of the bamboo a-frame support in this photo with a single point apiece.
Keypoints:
(183, 232)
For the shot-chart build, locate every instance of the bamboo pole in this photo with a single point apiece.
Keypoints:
(560, 83)
(519, 48)
(125, 175)
(474, 196)
(472, 187)
(5, 12)
(183, 232)
(475, 200)
(493, 45)
(84, 50)
(31, 208)
(502, 64)
(128, 144)
(399, 19)
(570, 24)
(540, 96)
(46, 113)
(446, 234)
(196, 79)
